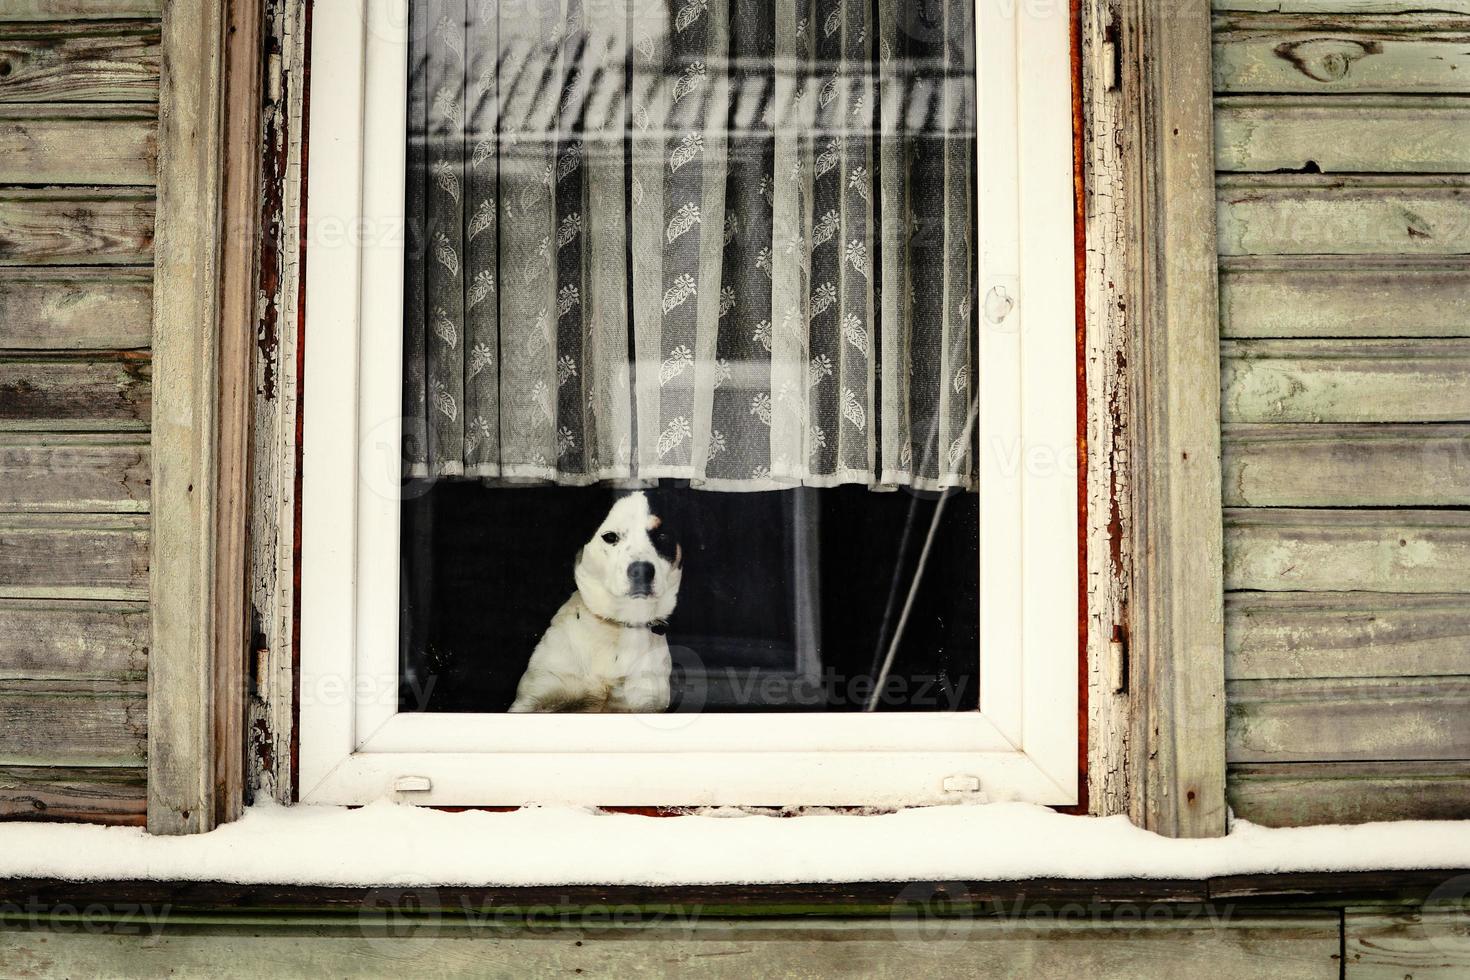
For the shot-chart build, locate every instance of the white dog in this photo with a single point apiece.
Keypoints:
(605, 648)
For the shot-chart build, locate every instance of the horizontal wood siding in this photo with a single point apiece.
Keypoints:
(26, 10)
(79, 84)
(1340, 8)
(1295, 635)
(1309, 215)
(76, 309)
(78, 556)
(1346, 465)
(1306, 53)
(1342, 135)
(67, 145)
(73, 723)
(82, 226)
(1426, 943)
(56, 639)
(1299, 794)
(59, 473)
(1348, 719)
(83, 391)
(108, 795)
(1345, 296)
(1345, 380)
(1087, 940)
(52, 62)
(1284, 550)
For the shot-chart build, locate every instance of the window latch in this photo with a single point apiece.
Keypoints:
(961, 783)
(412, 784)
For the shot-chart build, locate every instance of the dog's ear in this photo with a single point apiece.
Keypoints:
(665, 536)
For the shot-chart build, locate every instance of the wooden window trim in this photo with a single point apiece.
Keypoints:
(1154, 677)
(1156, 645)
(204, 332)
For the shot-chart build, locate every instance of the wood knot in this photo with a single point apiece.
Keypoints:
(1326, 59)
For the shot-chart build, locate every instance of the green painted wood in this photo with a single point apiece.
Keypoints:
(1303, 794)
(1318, 215)
(73, 723)
(1345, 380)
(80, 391)
(1345, 296)
(69, 62)
(1431, 943)
(1346, 465)
(1288, 53)
(28, 10)
(1298, 946)
(78, 145)
(53, 639)
(73, 556)
(1341, 7)
(76, 226)
(1289, 550)
(1348, 719)
(1345, 634)
(1343, 134)
(74, 473)
(89, 308)
(92, 795)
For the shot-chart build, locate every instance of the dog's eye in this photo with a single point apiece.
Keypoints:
(611, 537)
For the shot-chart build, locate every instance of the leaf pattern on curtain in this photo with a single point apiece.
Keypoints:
(789, 242)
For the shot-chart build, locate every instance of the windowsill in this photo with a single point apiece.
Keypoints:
(402, 846)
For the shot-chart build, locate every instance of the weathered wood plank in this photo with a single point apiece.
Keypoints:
(1273, 550)
(1301, 946)
(1342, 134)
(1305, 53)
(1304, 794)
(1346, 465)
(82, 145)
(1340, 7)
(1345, 634)
(1317, 215)
(1344, 720)
(109, 226)
(1421, 944)
(101, 61)
(73, 723)
(94, 391)
(1339, 296)
(1345, 380)
(1175, 601)
(59, 308)
(271, 719)
(71, 638)
(114, 796)
(25, 10)
(50, 472)
(79, 556)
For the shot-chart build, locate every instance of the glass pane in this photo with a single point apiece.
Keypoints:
(689, 357)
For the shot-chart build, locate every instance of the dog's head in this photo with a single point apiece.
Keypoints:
(630, 570)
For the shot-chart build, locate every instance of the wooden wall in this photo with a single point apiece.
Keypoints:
(1343, 157)
(78, 125)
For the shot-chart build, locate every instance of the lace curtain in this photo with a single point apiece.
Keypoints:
(728, 241)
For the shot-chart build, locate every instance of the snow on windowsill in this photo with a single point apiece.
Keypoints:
(388, 843)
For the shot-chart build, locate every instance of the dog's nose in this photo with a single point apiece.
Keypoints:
(640, 575)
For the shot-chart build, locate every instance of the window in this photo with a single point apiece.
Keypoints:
(798, 277)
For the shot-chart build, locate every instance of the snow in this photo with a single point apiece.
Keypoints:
(391, 843)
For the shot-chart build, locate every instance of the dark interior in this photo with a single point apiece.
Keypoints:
(485, 567)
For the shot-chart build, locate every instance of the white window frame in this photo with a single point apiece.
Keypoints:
(1021, 744)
